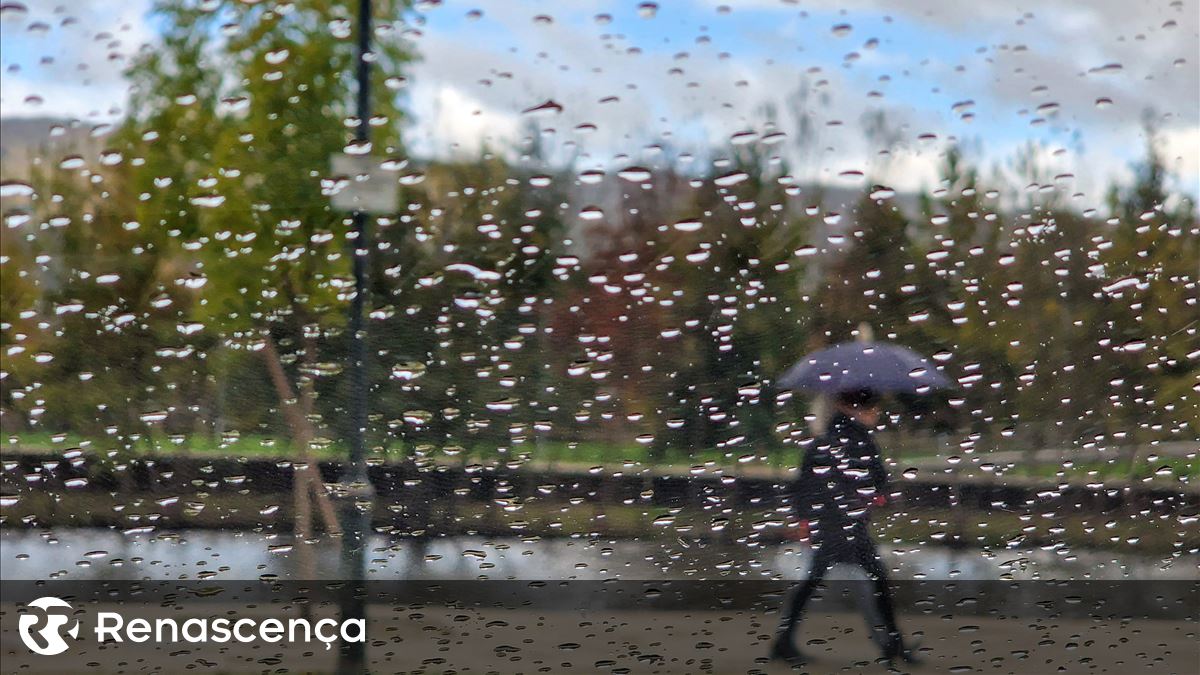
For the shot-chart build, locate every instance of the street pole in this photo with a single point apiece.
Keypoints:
(358, 497)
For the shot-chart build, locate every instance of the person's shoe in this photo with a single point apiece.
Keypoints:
(896, 649)
(893, 645)
(911, 657)
(908, 656)
(782, 649)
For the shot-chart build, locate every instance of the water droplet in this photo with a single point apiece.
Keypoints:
(881, 192)
(548, 107)
(591, 177)
(408, 371)
(591, 213)
(208, 201)
(634, 174)
(15, 188)
(730, 179)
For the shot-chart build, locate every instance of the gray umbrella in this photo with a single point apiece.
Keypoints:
(880, 366)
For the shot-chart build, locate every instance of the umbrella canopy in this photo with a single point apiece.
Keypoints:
(880, 366)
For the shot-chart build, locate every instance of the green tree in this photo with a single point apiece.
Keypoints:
(1149, 262)
(236, 116)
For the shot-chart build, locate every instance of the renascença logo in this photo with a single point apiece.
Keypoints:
(43, 631)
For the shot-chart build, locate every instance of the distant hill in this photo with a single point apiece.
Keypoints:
(26, 140)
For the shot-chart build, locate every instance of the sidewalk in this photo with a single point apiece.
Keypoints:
(436, 640)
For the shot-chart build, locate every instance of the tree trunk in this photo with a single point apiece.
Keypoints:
(307, 483)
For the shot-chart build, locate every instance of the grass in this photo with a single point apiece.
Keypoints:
(559, 453)
(262, 447)
(230, 445)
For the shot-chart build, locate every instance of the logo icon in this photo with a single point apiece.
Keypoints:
(42, 631)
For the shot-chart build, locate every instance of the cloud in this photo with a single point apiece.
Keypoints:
(452, 123)
(695, 77)
(67, 59)
(1180, 149)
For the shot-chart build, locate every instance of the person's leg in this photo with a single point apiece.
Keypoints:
(821, 562)
(867, 557)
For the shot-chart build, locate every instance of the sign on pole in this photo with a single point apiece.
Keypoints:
(359, 184)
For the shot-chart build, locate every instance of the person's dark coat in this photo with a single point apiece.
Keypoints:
(841, 474)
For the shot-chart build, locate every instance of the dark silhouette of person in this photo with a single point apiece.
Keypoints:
(841, 478)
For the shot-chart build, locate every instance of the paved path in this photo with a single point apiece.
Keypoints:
(531, 641)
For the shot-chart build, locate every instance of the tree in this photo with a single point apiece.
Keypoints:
(1149, 271)
(236, 115)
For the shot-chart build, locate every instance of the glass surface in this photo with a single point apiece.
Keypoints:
(295, 297)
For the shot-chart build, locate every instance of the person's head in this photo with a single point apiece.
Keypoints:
(861, 405)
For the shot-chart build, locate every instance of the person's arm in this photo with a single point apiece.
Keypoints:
(803, 493)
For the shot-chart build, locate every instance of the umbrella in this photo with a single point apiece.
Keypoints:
(880, 366)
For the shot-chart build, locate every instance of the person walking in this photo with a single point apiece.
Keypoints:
(841, 478)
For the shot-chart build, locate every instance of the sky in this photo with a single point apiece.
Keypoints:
(1067, 85)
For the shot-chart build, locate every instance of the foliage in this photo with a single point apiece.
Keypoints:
(514, 304)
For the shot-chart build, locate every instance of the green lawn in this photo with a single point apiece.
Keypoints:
(258, 447)
(160, 444)
(559, 453)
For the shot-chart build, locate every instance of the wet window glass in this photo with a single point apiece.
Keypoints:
(600, 337)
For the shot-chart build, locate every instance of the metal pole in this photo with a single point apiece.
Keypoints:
(358, 499)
